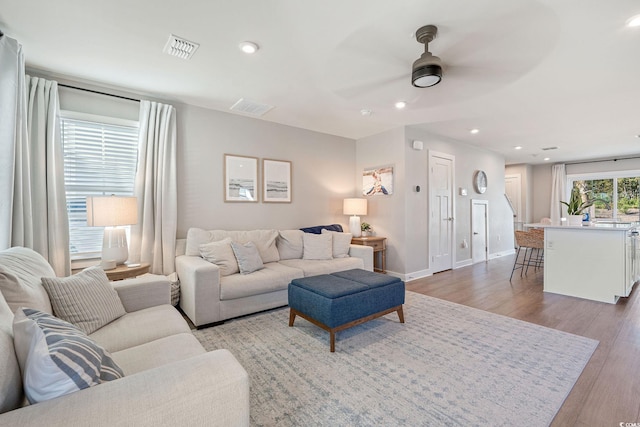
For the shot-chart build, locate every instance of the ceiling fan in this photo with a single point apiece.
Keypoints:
(426, 70)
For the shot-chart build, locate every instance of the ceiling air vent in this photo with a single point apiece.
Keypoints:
(549, 148)
(250, 107)
(177, 46)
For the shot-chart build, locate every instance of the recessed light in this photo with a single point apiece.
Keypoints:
(546, 159)
(638, 136)
(249, 47)
(517, 147)
(400, 105)
(634, 21)
(365, 112)
(474, 131)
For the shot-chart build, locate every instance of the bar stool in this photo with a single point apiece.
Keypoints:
(532, 242)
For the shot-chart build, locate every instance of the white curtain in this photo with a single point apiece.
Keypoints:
(13, 127)
(558, 193)
(153, 239)
(37, 196)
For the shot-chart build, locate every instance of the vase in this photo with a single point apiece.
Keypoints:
(575, 220)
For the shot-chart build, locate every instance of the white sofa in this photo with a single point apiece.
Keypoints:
(169, 378)
(208, 297)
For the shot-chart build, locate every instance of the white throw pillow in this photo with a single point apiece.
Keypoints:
(57, 358)
(248, 257)
(341, 243)
(317, 246)
(220, 254)
(86, 299)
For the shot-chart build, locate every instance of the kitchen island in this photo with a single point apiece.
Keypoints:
(597, 262)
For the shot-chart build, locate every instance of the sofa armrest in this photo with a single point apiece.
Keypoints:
(209, 389)
(143, 292)
(363, 252)
(199, 289)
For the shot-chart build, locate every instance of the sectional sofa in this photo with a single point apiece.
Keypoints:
(169, 379)
(214, 290)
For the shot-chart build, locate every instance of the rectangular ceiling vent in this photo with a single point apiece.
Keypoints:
(177, 46)
(549, 148)
(250, 107)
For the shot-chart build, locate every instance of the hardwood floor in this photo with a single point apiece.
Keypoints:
(608, 391)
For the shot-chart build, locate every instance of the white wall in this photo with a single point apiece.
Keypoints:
(386, 214)
(403, 217)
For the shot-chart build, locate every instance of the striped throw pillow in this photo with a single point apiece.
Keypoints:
(86, 299)
(57, 358)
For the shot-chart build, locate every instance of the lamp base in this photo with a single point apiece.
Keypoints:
(114, 245)
(354, 226)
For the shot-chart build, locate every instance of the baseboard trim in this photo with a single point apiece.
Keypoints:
(463, 263)
(410, 276)
(503, 253)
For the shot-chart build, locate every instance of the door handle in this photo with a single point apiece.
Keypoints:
(475, 232)
(450, 219)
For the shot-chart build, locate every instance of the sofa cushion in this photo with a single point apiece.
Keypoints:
(86, 299)
(56, 357)
(11, 393)
(265, 241)
(274, 277)
(341, 243)
(158, 352)
(21, 270)
(318, 228)
(317, 246)
(313, 268)
(139, 327)
(289, 243)
(221, 254)
(248, 257)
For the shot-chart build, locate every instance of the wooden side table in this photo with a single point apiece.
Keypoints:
(379, 246)
(124, 272)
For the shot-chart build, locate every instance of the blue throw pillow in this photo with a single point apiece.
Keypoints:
(318, 228)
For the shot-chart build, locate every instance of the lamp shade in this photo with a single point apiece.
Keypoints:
(354, 207)
(111, 211)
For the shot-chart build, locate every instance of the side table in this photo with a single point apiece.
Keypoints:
(379, 246)
(124, 272)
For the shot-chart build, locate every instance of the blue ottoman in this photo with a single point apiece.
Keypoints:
(341, 300)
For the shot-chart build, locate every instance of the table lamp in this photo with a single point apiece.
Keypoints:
(112, 212)
(354, 207)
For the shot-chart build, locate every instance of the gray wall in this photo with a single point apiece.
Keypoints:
(322, 172)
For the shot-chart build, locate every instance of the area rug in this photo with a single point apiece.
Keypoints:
(448, 365)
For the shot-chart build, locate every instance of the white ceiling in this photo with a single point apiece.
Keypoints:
(527, 73)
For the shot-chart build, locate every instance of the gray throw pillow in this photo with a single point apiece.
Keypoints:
(57, 358)
(86, 299)
(317, 246)
(220, 254)
(248, 257)
(341, 243)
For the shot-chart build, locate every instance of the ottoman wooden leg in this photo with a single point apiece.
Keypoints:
(401, 314)
(332, 340)
(292, 316)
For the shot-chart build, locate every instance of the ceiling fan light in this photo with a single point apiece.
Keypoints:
(426, 76)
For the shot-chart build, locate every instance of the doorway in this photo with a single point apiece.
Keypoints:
(513, 190)
(479, 230)
(441, 207)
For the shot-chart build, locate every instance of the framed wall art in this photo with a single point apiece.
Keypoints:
(240, 178)
(377, 182)
(276, 181)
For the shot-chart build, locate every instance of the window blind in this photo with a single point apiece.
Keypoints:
(99, 159)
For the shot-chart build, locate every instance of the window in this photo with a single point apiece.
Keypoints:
(100, 156)
(617, 194)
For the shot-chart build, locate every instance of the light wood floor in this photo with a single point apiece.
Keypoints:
(608, 391)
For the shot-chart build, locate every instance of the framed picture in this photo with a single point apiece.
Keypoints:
(377, 182)
(276, 181)
(240, 178)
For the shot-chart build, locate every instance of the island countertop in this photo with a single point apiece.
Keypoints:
(594, 226)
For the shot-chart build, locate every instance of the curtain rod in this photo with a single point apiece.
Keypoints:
(98, 92)
(604, 160)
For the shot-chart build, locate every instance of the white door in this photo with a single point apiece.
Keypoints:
(441, 185)
(479, 230)
(513, 190)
